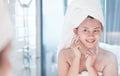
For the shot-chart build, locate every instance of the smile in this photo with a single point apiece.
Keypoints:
(90, 41)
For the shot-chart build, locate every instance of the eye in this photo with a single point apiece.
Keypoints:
(85, 30)
(96, 30)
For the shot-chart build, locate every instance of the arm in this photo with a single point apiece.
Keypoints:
(111, 68)
(63, 66)
(4, 60)
(90, 62)
(74, 69)
(65, 69)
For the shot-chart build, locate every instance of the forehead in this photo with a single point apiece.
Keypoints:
(90, 23)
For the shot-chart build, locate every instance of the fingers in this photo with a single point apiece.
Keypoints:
(91, 52)
(95, 50)
(75, 41)
(76, 47)
(72, 42)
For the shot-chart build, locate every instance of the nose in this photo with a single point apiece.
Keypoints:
(91, 34)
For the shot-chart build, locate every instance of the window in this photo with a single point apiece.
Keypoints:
(24, 19)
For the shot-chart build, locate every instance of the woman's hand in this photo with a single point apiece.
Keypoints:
(75, 45)
(91, 57)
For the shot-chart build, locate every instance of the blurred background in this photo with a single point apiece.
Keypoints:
(38, 26)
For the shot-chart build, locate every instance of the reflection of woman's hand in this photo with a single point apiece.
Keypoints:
(75, 45)
(91, 57)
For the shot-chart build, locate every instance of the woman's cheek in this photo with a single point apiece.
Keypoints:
(98, 37)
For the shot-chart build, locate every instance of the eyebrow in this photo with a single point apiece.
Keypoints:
(94, 28)
(97, 27)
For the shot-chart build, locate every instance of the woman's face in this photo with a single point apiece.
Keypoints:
(89, 32)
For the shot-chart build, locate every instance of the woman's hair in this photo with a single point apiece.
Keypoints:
(94, 18)
(90, 17)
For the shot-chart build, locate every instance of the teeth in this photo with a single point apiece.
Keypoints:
(90, 41)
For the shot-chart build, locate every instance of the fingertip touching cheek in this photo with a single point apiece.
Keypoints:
(89, 31)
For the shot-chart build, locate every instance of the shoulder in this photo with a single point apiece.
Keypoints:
(110, 64)
(108, 56)
(66, 54)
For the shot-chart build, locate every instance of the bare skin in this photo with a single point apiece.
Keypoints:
(5, 66)
(84, 53)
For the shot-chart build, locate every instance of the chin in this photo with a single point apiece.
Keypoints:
(89, 46)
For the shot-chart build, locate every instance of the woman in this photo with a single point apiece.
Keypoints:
(6, 35)
(80, 54)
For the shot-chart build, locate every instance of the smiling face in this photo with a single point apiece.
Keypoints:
(89, 32)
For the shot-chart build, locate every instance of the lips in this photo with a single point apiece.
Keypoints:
(90, 41)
